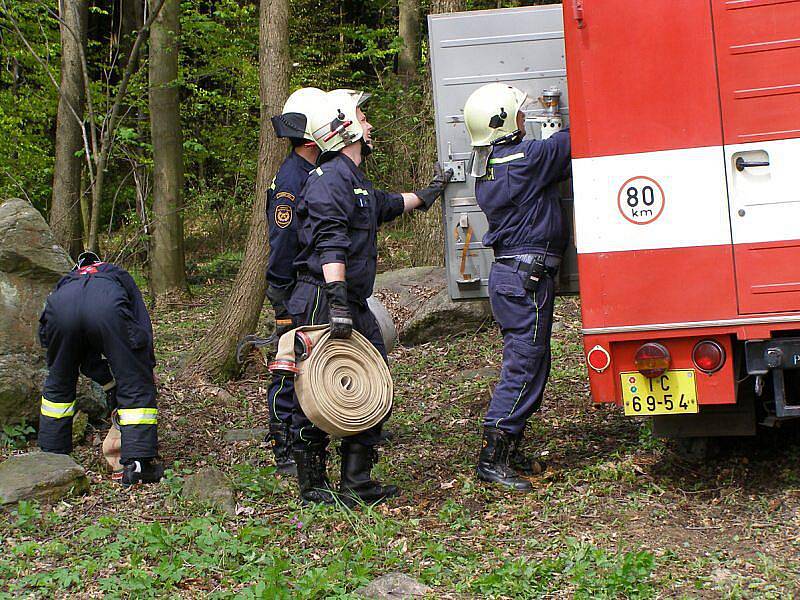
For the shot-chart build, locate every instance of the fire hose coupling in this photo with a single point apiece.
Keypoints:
(550, 120)
(293, 348)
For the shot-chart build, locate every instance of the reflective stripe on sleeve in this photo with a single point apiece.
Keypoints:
(138, 416)
(57, 410)
(360, 191)
(505, 159)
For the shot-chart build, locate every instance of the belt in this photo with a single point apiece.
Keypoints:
(551, 264)
(343, 386)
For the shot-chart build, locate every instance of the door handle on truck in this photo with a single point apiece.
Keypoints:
(577, 12)
(742, 164)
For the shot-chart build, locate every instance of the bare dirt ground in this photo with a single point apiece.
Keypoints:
(616, 514)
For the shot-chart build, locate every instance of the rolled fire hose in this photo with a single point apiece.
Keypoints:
(112, 446)
(343, 386)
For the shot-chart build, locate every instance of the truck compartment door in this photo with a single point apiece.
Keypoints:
(523, 47)
(758, 55)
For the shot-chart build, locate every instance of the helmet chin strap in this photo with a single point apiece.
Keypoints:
(366, 149)
(510, 138)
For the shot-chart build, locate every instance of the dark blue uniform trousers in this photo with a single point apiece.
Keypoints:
(281, 399)
(526, 324)
(84, 319)
(309, 306)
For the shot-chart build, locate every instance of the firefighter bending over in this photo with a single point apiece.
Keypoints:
(97, 311)
(517, 188)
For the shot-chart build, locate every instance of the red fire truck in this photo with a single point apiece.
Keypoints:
(686, 144)
(685, 124)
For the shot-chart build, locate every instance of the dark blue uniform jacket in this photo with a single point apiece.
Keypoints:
(131, 303)
(340, 212)
(281, 208)
(520, 196)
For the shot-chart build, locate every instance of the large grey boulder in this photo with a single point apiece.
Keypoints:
(406, 290)
(421, 308)
(394, 586)
(440, 317)
(40, 476)
(30, 265)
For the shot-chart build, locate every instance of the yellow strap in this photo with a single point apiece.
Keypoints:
(505, 159)
(57, 410)
(138, 416)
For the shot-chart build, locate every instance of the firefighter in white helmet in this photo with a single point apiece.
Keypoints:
(292, 124)
(517, 188)
(340, 212)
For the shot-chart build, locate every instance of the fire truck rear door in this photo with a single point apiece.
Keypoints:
(758, 56)
(523, 47)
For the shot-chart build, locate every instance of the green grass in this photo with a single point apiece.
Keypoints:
(611, 518)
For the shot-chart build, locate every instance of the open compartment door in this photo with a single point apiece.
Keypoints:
(523, 47)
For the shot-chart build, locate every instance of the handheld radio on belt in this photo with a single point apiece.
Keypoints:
(537, 271)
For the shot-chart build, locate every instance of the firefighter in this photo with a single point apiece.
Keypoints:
(97, 311)
(340, 212)
(292, 124)
(517, 188)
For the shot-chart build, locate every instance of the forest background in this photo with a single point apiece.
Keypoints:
(133, 125)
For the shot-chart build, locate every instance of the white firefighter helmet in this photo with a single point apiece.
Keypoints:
(335, 124)
(490, 113)
(293, 122)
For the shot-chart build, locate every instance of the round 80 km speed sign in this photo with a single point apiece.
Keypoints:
(641, 200)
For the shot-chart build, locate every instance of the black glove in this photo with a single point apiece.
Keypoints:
(283, 320)
(339, 310)
(436, 186)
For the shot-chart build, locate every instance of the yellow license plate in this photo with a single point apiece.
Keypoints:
(673, 393)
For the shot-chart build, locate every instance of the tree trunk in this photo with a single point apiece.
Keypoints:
(448, 6)
(65, 210)
(408, 59)
(131, 20)
(216, 354)
(167, 268)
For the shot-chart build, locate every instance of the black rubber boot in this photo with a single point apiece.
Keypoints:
(521, 462)
(142, 470)
(356, 483)
(493, 461)
(312, 476)
(280, 440)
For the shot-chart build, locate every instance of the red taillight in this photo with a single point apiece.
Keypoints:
(708, 356)
(598, 359)
(652, 359)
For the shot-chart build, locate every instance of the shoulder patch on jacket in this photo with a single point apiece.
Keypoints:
(280, 195)
(283, 216)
